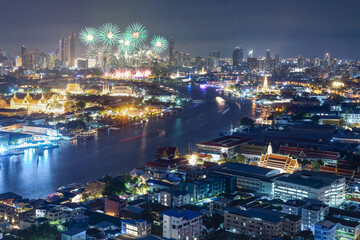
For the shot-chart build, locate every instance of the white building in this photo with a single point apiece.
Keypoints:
(139, 228)
(327, 188)
(41, 130)
(185, 225)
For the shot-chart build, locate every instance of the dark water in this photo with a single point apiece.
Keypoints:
(33, 175)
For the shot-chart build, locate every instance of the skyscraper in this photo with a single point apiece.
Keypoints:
(171, 51)
(23, 56)
(237, 56)
(71, 54)
(62, 44)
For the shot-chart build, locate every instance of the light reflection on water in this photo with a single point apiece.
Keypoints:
(37, 174)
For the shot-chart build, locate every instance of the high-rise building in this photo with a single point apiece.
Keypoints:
(252, 63)
(215, 58)
(23, 56)
(23, 51)
(71, 54)
(268, 60)
(237, 56)
(42, 61)
(30, 60)
(301, 62)
(62, 52)
(277, 61)
(171, 51)
(52, 60)
(18, 61)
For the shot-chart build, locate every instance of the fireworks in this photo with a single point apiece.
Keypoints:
(109, 34)
(137, 33)
(128, 50)
(159, 44)
(89, 36)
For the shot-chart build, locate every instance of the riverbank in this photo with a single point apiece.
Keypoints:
(33, 175)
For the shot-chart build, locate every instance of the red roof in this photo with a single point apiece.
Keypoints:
(309, 153)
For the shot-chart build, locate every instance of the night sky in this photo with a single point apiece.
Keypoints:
(288, 27)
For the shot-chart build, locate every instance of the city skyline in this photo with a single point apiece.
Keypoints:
(287, 28)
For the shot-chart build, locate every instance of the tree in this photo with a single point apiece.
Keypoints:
(240, 159)
(43, 232)
(247, 121)
(75, 125)
(317, 164)
(315, 119)
(95, 189)
(115, 186)
(80, 105)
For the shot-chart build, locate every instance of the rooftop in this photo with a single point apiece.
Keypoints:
(310, 179)
(187, 214)
(260, 213)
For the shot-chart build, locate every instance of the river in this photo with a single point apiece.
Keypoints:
(34, 175)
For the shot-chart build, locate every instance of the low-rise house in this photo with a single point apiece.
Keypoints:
(26, 223)
(13, 209)
(113, 205)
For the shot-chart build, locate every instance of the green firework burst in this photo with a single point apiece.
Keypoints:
(159, 44)
(109, 34)
(89, 36)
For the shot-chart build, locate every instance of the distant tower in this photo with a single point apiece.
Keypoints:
(23, 56)
(71, 54)
(269, 149)
(265, 87)
(250, 53)
(171, 51)
(237, 56)
(62, 44)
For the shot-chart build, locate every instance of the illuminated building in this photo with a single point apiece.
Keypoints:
(71, 54)
(62, 52)
(305, 184)
(13, 209)
(18, 61)
(222, 147)
(259, 223)
(312, 214)
(29, 103)
(136, 228)
(248, 177)
(204, 188)
(41, 105)
(325, 230)
(252, 63)
(73, 88)
(237, 56)
(122, 91)
(52, 60)
(82, 63)
(283, 163)
(182, 225)
(171, 51)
